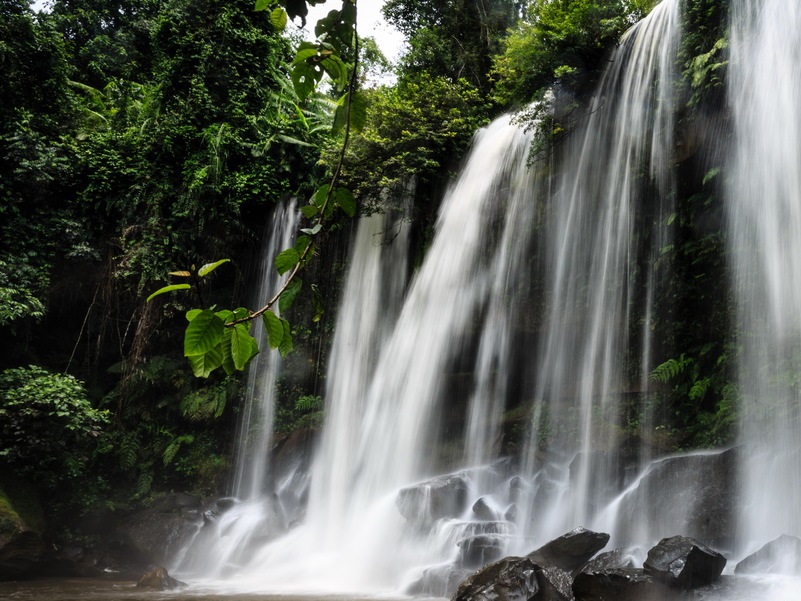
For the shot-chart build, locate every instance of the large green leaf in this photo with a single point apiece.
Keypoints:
(209, 267)
(227, 357)
(203, 365)
(203, 333)
(169, 288)
(289, 295)
(344, 200)
(278, 19)
(274, 327)
(286, 341)
(243, 346)
(286, 260)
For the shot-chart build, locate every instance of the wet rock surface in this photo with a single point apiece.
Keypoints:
(443, 497)
(158, 579)
(780, 556)
(510, 579)
(684, 562)
(572, 550)
(621, 584)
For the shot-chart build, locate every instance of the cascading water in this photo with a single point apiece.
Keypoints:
(614, 171)
(765, 242)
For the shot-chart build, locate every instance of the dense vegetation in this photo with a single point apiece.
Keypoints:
(140, 137)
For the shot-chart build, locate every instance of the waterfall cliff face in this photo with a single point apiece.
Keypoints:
(764, 217)
(553, 270)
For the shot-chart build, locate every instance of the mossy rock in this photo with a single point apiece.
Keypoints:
(20, 508)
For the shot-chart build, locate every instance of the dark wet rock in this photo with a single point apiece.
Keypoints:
(157, 579)
(226, 503)
(555, 585)
(478, 551)
(443, 497)
(570, 551)
(483, 511)
(695, 494)
(684, 562)
(510, 579)
(779, 556)
(621, 584)
(611, 560)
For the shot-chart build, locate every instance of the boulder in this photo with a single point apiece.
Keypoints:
(555, 585)
(683, 562)
(621, 584)
(157, 579)
(779, 556)
(483, 511)
(697, 495)
(611, 560)
(510, 579)
(426, 502)
(570, 551)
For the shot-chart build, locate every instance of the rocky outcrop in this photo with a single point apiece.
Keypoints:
(684, 563)
(157, 579)
(425, 503)
(572, 550)
(621, 584)
(779, 556)
(510, 579)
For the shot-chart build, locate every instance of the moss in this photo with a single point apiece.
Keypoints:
(19, 506)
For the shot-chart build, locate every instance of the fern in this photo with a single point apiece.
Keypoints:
(128, 451)
(670, 369)
(174, 446)
(309, 403)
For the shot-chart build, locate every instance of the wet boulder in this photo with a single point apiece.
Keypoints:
(621, 584)
(157, 579)
(510, 579)
(611, 560)
(572, 550)
(555, 585)
(426, 502)
(684, 562)
(483, 511)
(779, 556)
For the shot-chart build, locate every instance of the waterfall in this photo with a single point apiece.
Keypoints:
(613, 173)
(257, 512)
(764, 230)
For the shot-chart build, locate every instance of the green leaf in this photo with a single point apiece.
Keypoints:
(286, 260)
(169, 288)
(286, 341)
(309, 211)
(278, 19)
(227, 356)
(262, 4)
(312, 231)
(209, 267)
(243, 346)
(306, 50)
(319, 196)
(711, 174)
(203, 333)
(336, 70)
(345, 201)
(192, 313)
(274, 327)
(203, 365)
(301, 244)
(304, 78)
(289, 295)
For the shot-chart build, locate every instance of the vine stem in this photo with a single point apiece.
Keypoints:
(334, 179)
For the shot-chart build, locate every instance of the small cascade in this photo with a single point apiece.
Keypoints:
(613, 174)
(764, 216)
